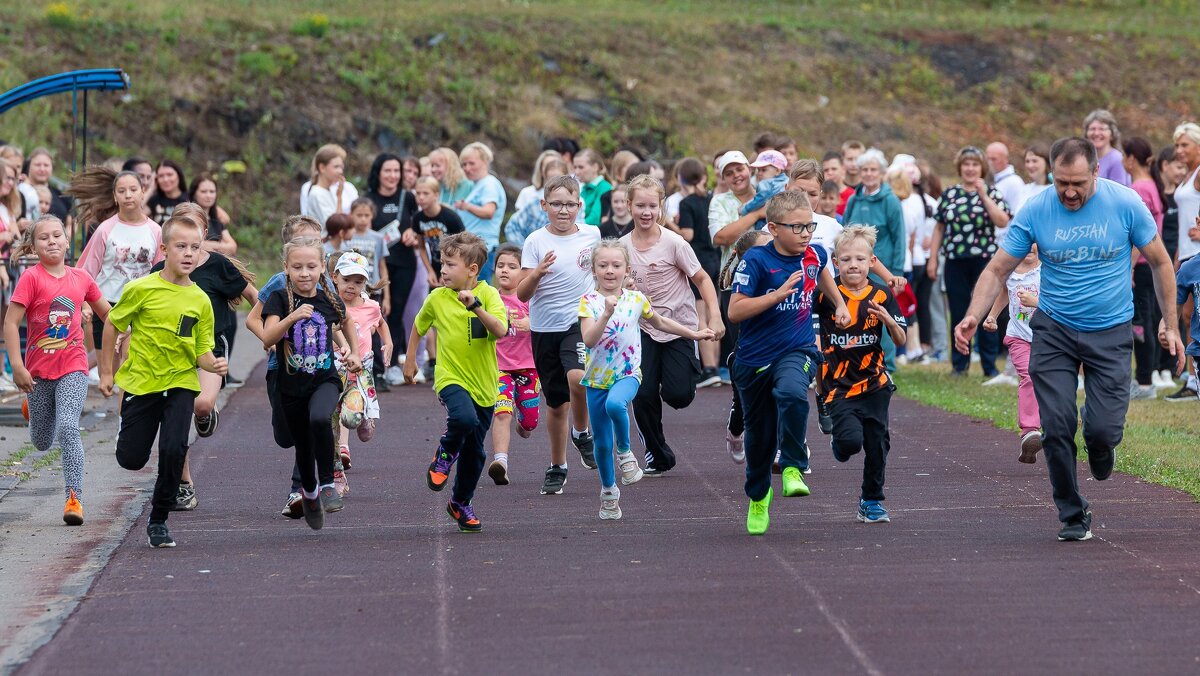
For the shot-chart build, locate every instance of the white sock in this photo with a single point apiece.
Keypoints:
(578, 433)
(502, 458)
(1192, 383)
(562, 466)
(310, 496)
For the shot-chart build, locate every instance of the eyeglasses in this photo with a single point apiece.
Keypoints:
(798, 228)
(563, 206)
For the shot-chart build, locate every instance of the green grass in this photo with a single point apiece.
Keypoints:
(1160, 439)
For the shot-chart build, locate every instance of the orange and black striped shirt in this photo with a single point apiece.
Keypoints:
(853, 355)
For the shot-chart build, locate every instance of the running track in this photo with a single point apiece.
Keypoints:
(967, 578)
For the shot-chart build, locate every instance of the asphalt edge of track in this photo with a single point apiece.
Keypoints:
(78, 584)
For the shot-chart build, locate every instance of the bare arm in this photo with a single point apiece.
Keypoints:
(708, 294)
(669, 325)
(999, 216)
(729, 234)
(353, 360)
(217, 365)
(254, 324)
(532, 276)
(12, 343)
(593, 329)
(991, 281)
(841, 314)
(385, 341)
(410, 355)
(108, 346)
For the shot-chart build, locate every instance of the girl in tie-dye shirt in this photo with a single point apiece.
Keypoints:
(609, 323)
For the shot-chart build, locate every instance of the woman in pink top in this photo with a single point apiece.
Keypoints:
(53, 370)
(663, 264)
(520, 389)
(126, 244)
(1139, 156)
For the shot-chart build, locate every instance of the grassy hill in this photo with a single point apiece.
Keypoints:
(266, 82)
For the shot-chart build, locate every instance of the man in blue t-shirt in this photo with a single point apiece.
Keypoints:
(777, 354)
(1085, 230)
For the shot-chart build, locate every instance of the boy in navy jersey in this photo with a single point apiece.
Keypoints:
(777, 353)
(857, 388)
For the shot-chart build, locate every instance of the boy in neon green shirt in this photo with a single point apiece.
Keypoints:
(469, 317)
(171, 322)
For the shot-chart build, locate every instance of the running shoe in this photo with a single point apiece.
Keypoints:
(610, 504)
(1031, 443)
(1101, 463)
(73, 511)
(499, 472)
(1078, 530)
(465, 516)
(758, 518)
(586, 447)
(366, 432)
(793, 483)
(159, 536)
(382, 385)
(439, 469)
(631, 473)
(824, 420)
(330, 500)
(1000, 379)
(207, 424)
(723, 373)
(1162, 379)
(709, 378)
(1137, 391)
(344, 456)
(556, 478)
(292, 509)
(314, 516)
(871, 511)
(394, 375)
(1184, 393)
(185, 498)
(233, 382)
(340, 484)
(736, 447)
(652, 471)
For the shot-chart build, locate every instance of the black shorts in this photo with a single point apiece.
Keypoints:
(555, 353)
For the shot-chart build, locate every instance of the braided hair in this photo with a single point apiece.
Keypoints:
(747, 241)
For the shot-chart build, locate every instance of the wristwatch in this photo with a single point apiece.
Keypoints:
(473, 306)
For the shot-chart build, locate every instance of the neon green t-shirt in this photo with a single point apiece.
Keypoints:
(466, 350)
(172, 326)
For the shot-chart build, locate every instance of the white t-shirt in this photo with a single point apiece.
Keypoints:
(673, 202)
(349, 194)
(1188, 201)
(827, 230)
(31, 199)
(119, 252)
(913, 208)
(555, 303)
(527, 196)
(1019, 315)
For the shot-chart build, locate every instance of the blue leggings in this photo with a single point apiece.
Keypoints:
(608, 411)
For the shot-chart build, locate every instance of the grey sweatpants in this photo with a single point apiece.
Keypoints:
(54, 410)
(1106, 357)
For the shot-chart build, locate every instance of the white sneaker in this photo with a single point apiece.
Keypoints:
(974, 357)
(419, 378)
(631, 473)
(735, 447)
(1162, 379)
(610, 506)
(394, 375)
(94, 377)
(1001, 379)
(1142, 392)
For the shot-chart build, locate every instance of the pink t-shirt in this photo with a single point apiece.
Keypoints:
(662, 273)
(514, 352)
(1148, 191)
(366, 319)
(53, 309)
(120, 252)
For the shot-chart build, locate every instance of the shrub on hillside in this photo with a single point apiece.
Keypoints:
(59, 15)
(313, 25)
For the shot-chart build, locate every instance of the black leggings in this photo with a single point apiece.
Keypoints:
(400, 284)
(922, 286)
(311, 423)
(1146, 314)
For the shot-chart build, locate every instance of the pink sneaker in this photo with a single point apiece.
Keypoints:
(340, 483)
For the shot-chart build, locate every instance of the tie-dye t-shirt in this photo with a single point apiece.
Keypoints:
(618, 353)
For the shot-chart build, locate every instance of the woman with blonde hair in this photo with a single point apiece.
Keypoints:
(445, 167)
(529, 194)
(482, 210)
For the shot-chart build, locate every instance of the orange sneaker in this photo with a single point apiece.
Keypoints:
(73, 511)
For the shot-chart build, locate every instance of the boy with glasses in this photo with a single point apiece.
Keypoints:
(558, 263)
(777, 353)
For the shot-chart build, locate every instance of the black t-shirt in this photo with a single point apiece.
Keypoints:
(609, 229)
(1170, 230)
(216, 229)
(218, 278)
(398, 207)
(161, 206)
(693, 215)
(854, 363)
(447, 222)
(306, 351)
(59, 206)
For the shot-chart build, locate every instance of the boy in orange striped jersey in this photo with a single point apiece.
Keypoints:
(857, 388)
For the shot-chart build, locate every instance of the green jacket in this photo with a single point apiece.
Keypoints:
(591, 194)
(883, 211)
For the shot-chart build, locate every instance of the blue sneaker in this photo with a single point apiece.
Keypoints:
(872, 511)
(723, 373)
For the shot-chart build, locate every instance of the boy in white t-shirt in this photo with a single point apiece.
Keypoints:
(558, 260)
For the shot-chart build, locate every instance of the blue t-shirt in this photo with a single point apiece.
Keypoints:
(275, 283)
(787, 326)
(1187, 283)
(488, 189)
(1085, 254)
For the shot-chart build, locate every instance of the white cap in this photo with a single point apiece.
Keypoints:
(731, 157)
(353, 263)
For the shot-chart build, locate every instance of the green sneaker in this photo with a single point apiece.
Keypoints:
(757, 519)
(793, 483)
